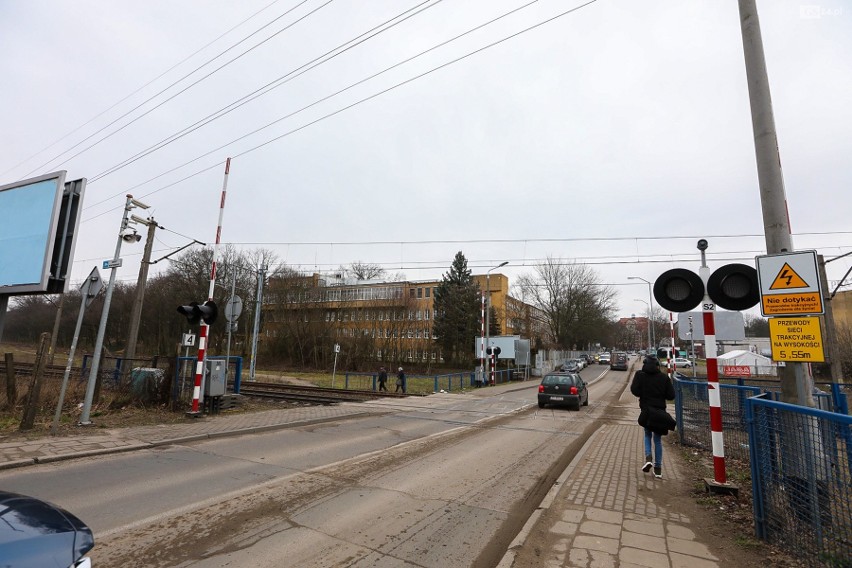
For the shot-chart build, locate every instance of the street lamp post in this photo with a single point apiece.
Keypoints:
(488, 308)
(129, 235)
(650, 342)
(650, 308)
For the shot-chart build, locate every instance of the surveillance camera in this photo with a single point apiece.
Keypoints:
(702, 244)
(129, 235)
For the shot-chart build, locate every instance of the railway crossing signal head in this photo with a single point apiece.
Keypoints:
(195, 312)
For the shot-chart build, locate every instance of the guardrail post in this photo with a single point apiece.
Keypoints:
(756, 485)
(238, 374)
(679, 409)
(841, 404)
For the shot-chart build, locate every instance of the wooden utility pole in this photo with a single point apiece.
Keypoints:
(28, 421)
(52, 351)
(11, 385)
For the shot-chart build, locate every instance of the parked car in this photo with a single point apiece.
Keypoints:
(563, 389)
(586, 359)
(605, 358)
(35, 534)
(580, 363)
(683, 362)
(570, 366)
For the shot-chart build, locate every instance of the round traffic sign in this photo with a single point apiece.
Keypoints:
(233, 308)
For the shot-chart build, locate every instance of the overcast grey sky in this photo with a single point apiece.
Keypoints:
(617, 134)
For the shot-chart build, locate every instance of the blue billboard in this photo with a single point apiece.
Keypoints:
(29, 215)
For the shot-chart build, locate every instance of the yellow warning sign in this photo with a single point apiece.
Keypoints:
(788, 279)
(796, 339)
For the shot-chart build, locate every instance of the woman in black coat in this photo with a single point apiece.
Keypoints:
(653, 389)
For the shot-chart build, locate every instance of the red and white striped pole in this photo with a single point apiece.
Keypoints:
(714, 394)
(672, 364)
(202, 334)
(481, 377)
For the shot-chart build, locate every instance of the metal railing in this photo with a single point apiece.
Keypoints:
(424, 384)
(692, 413)
(801, 469)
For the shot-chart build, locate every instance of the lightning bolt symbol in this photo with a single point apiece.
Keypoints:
(785, 276)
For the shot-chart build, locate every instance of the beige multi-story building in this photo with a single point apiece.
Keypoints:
(387, 321)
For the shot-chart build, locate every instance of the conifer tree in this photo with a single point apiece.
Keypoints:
(457, 311)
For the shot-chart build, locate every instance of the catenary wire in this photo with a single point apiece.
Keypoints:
(328, 115)
(172, 68)
(270, 86)
(183, 90)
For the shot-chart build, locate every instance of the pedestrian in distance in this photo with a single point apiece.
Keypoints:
(653, 389)
(400, 381)
(383, 379)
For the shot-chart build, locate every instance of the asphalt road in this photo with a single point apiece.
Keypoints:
(446, 480)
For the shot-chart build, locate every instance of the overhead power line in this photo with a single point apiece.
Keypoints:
(272, 85)
(342, 109)
(203, 78)
(172, 68)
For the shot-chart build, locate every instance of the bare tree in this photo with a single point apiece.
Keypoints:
(363, 270)
(577, 307)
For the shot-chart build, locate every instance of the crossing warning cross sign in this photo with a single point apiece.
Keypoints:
(789, 284)
(787, 279)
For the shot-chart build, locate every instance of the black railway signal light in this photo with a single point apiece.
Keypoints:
(678, 290)
(195, 312)
(732, 287)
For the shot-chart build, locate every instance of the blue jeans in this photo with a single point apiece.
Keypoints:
(658, 447)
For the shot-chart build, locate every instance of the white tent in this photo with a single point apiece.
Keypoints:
(757, 363)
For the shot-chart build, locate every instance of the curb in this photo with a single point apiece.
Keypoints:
(170, 441)
(90, 453)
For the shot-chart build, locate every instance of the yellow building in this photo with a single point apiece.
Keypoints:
(384, 321)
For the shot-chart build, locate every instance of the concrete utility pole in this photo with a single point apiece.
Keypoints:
(261, 277)
(796, 381)
(139, 300)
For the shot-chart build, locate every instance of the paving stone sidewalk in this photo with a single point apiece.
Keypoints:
(605, 512)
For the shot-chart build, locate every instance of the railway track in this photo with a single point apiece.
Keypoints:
(312, 395)
(279, 391)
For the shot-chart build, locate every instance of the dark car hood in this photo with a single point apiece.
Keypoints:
(38, 534)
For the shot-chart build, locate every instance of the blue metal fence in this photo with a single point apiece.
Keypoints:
(692, 412)
(801, 469)
(800, 460)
